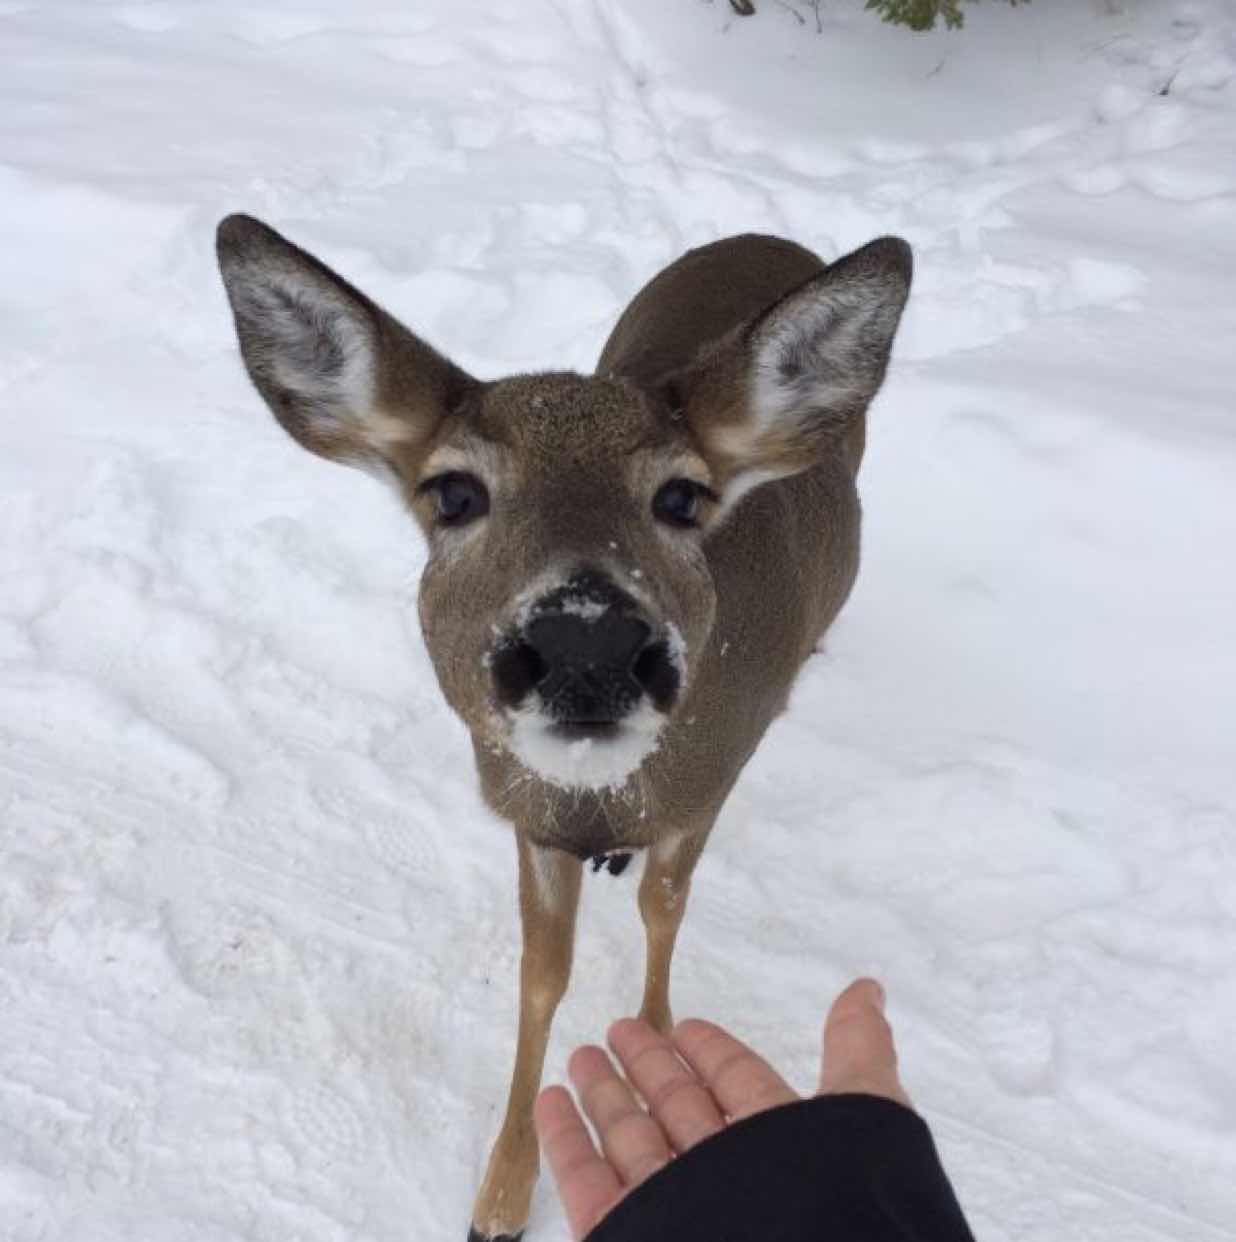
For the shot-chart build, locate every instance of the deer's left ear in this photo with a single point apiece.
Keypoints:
(345, 379)
(810, 365)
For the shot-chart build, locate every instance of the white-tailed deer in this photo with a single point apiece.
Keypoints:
(626, 570)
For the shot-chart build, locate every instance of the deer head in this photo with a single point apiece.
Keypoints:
(567, 598)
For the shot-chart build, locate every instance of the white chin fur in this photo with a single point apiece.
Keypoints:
(584, 763)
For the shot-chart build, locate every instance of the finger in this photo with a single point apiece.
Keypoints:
(858, 1046)
(631, 1140)
(681, 1104)
(587, 1185)
(741, 1082)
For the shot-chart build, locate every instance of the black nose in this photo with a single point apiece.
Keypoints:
(589, 662)
(587, 653)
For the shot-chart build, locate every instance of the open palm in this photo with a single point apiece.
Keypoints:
(693, 1084)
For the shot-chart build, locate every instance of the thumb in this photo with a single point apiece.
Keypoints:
(858, 1050)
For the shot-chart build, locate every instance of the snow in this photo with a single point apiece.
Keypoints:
(257, 932)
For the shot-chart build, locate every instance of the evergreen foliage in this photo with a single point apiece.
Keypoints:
(917, 14)
(922, 14)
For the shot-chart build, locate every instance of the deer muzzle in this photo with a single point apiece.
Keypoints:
(586, 655)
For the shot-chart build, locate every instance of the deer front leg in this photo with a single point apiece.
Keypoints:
(548, 896)
(662, 903)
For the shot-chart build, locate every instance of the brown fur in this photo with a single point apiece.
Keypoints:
(571, 464)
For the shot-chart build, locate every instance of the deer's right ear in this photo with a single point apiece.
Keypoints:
(343, 378)
(777, 396)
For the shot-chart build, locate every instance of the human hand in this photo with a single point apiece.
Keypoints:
(694, 1084)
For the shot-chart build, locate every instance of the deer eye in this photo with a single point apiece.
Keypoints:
(677, 503)
(461, 498)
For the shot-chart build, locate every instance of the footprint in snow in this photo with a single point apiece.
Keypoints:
(1184, 176)
(1159, 127)
(1019, 1049)
(323, 1123)
(226, 951)
(397, 837)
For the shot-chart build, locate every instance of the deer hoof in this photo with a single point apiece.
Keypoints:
(475, 1235)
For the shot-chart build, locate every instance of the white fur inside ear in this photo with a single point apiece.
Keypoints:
(824, 348)
(309, 342)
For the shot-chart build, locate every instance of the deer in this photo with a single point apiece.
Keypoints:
(625, 571)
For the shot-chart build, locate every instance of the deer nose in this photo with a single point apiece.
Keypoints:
(588, 664)
(581, 667)
(588, 654)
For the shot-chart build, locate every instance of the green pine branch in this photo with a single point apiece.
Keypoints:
(923, 14)
(917, 14)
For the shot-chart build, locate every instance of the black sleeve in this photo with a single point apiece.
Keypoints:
(838, 1168)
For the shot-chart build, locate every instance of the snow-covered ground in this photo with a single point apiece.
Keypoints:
(258, 934)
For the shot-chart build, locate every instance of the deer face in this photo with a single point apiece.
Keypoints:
(566, 595)
(567, 601)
